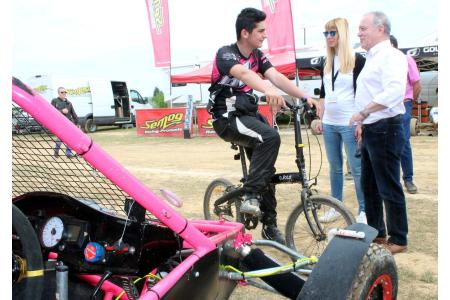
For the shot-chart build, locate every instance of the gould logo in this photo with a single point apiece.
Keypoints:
(164, 122)
(316, 60)
(157, 13)
(430, 49)
(413, 52)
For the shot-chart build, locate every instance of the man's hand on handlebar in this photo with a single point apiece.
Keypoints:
(275, 100)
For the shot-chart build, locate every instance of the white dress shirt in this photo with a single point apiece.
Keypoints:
(383, 81)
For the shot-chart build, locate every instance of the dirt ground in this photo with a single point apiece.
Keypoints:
(187, 166)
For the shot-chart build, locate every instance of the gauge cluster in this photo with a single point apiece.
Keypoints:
(89, 239)
(57, 231)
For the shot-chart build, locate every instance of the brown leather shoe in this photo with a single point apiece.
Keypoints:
(381, 240)
(394, 248)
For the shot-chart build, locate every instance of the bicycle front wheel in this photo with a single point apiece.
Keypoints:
(308, 234)
(229, 210)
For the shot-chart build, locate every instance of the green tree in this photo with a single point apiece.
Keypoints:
(158, 98)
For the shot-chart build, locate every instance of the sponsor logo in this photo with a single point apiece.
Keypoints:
(430, 49)
(316, 60)
(165, 122)
(285, 177)
(208, 124)
(157, 14)
(81, 91)
(413, 52)
(40, 89)
(272, 4)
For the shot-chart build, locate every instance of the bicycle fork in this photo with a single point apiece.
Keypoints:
(313, 223)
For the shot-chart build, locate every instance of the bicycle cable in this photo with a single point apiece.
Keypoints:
(303, 117)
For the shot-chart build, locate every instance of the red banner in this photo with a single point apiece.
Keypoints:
(160, 122)
(280, 31)
(204, 120)
(158, 17)
(204, 123)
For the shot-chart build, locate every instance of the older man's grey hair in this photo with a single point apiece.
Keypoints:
(380, 18)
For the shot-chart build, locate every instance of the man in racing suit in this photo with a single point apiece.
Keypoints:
(234, 109)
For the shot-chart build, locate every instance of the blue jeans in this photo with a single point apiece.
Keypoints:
(382, 145)
(333, 137)
(58, 146)
(406, 158)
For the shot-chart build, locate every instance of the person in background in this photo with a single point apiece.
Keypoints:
(413, 89)
(379, 100)
(66, 108)
(336, 107)
(235, 118)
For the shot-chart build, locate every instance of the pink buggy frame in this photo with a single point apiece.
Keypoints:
(211, 248)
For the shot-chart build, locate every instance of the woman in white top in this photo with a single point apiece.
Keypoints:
(336, 106)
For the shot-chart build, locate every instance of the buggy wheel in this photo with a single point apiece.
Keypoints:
(377, 276)
(229, 210)
(27, 264)
(308, 234)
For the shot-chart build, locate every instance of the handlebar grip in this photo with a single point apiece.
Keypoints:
(303, 100)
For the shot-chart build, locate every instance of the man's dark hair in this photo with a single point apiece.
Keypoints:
(393, 41)
(247, 20)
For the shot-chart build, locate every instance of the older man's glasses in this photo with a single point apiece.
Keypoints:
(331, 33)
(63, 92)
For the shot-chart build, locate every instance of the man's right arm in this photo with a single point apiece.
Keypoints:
(253, 80)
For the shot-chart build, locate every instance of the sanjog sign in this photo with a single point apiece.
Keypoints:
(161, 122)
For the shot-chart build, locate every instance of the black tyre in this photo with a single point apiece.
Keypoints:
(90, 126)
(229, 210)
(377, 276)
(310, 238)
(28, 267)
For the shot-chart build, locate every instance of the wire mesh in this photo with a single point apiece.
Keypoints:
(38, 167)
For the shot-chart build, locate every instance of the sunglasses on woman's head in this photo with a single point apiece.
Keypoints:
(332, 33)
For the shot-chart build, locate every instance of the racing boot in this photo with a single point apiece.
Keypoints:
(271, 232)
(250, 205)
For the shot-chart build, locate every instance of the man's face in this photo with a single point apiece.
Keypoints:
(369, 34)
(257, 36)
(62, 93)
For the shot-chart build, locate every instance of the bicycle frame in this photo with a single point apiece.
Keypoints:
(281, 178)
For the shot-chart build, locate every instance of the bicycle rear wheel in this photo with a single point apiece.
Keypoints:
(310, 238)
(229, 210)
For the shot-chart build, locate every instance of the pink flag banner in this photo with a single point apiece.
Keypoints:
(158, 17)
(280, 31)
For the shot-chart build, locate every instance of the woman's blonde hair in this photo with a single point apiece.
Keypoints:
(345, 53)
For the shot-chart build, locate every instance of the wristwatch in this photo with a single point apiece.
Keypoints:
(363, 114)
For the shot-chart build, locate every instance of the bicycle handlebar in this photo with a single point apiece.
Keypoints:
(294, 106)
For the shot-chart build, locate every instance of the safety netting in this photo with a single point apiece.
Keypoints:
(36, 168)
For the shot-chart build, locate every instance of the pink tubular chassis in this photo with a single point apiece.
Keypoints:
(85, 227)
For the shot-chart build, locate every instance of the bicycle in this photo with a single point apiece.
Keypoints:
(307, 235)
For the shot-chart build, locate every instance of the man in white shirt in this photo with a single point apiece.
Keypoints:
(379, 100)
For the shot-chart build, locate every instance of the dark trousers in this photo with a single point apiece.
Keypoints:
(382, 146)
(406, 158)
(261, 143)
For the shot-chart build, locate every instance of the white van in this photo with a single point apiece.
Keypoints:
(96, 101)
(429, 84)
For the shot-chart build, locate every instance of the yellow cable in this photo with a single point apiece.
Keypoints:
(312, 259)
(137, 280)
